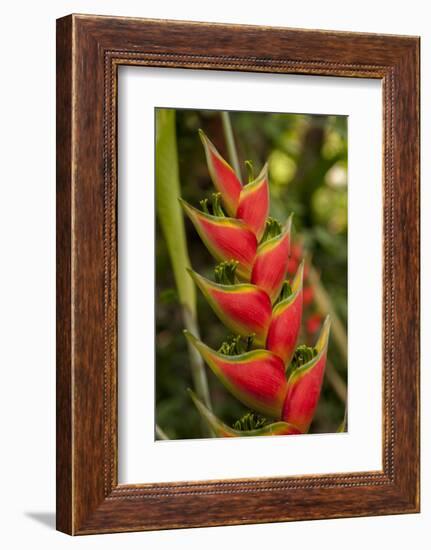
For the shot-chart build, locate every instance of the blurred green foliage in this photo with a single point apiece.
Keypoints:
(307, 156)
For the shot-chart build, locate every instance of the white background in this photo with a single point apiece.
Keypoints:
(27, 206)
(141, 458)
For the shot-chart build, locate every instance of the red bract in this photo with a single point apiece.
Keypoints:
(286, 322)
(243, 308)
(270, 265)
(225, 238)
(304, 386)
(256, 378)
(223, 176)
(254, 300)
(253, 205)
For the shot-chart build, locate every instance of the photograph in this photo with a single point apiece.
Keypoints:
(251, 273)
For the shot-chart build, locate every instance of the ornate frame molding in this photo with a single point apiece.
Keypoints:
(90, 49)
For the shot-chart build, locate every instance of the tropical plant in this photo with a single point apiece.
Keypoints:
(260, 364)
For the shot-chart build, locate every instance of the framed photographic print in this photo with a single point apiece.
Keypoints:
(237, 274)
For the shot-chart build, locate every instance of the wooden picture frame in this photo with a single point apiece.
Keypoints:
(89, 52)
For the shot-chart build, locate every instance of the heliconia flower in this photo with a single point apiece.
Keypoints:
(225, 238)
(270, 266)
(304, 385)
(286, 321)
(222, 175)
(254, 300)
(257, 378)
(243, 308)
(222, 430)
(253, 206)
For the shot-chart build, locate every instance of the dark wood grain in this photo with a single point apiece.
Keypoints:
(64, 287)
(90, 49)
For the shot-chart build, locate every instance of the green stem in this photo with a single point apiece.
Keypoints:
(230, 143)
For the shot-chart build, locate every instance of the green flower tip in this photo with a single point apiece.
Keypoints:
(303, 354)
(224, 272)
(250, 421)
(273, 228)
(216, 206)
(236, 345)
(285, 292)
(204, 206)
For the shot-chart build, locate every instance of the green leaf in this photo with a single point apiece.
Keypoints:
(171, 220)
(168, 210)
